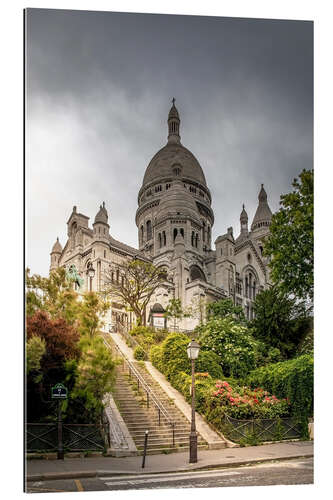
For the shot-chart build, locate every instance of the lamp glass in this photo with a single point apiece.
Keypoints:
(193, 350)
(91, 272)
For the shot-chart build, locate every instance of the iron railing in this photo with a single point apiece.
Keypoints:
(43, 437)
(261, 429)
(150, 395)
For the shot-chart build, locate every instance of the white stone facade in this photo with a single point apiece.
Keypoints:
(174, 220)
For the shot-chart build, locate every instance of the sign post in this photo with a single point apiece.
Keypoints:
(59, 392)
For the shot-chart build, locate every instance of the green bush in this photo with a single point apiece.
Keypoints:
(292, 379)
(172, 358)
(155, 355)
(209, 361)
(141, 330)
(140, 353)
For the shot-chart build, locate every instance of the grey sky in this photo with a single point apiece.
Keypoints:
(99, 88)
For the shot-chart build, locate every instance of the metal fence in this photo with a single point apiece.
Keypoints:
(261, 429)
(42, 437)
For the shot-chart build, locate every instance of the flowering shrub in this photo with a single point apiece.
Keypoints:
(232, 342)
(245, 403)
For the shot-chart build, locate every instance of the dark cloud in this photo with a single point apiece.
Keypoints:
(99, 88)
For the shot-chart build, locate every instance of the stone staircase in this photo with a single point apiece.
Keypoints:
(132, 404)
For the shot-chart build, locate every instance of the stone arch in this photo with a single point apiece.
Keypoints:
(197, 273)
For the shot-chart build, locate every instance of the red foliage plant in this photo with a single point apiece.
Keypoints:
(61, 338)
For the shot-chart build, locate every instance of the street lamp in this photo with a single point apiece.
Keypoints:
(193, 352)
(91, 274)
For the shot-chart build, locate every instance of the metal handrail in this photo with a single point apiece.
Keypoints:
(150, 393)
(131, 339)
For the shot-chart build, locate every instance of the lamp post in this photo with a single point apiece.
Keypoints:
(91, 274)
(193, 352)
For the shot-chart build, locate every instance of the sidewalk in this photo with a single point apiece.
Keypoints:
(37, 470)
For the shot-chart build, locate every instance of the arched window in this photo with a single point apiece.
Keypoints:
(208, 235)
(192, 239)
(149, 231)
(159, 240)
(196, 240)
(164, 238)
(182, 232)
(175, 232)
(204, 232)
(117, 275)
(141, 233)
(196, 273)
(104, 254)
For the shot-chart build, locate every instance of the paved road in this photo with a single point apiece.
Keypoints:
(285, 472)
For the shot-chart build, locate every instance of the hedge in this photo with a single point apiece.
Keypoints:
(291, 379)
(171, 358)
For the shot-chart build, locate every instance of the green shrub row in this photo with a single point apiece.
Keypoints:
(290, 382)
(170, 358)
(291, 379)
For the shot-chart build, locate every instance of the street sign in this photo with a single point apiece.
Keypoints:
(59, 391)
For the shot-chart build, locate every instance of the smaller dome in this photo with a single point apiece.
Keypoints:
(102, 215)
(262, 195)
(243, 215)
(57, 248)
(263, 215)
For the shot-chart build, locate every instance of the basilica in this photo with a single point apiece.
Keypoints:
(174, 219)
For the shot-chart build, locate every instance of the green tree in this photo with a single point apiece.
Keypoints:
(54, 294)
(35, 350)
(94, 375)
(290, 243)
(275, 321)
(133, 284)
(225, 308)
(175, 311)
(91, 308)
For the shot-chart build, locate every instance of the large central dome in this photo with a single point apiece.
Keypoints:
(174, 160)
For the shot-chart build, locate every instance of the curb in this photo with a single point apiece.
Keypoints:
(47, 476)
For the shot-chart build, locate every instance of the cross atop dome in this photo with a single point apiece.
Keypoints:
(173, 101)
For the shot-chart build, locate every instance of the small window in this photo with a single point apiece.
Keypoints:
(149, 230)
(176, 171)
(104, 254)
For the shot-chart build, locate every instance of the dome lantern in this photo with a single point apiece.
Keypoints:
(173, 124)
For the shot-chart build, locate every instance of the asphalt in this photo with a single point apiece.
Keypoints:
(69, 468)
